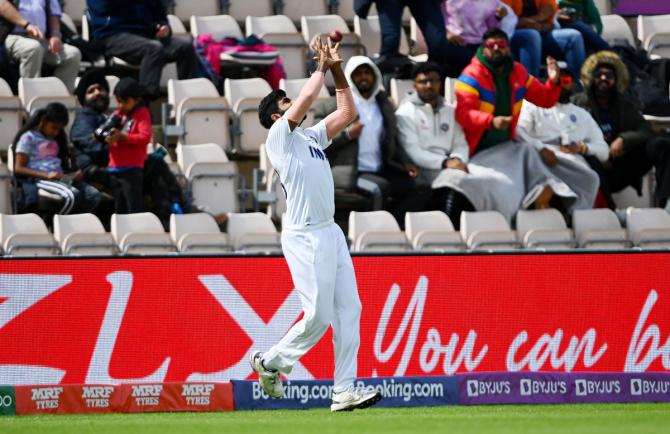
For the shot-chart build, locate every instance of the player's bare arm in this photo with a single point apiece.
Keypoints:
(310, 91)
(346, 109)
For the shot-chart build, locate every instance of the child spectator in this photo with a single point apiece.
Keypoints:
(43, 163)
(128, 142)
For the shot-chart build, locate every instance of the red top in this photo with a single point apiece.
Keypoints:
(132, 151)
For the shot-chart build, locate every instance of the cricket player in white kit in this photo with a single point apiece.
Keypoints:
(314, 246)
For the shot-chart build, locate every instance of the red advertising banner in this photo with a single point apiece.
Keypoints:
(124, 398)
(162, 320)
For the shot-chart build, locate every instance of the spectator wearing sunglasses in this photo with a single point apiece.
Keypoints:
(504, 174)
(566, 136)
(633, 147)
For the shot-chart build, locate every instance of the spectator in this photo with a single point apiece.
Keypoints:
(10, 17)
(583, 16)
(565, 135)
(466, 26)
(137, 31)
(633, 148)
(429, 133)
(43, 162)
(28, 46)
(366, 155)
(93, 154)
(536, 36)
(428, 17)
(128, 146)
(509, 175)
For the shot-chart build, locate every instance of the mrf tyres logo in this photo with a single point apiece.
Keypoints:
(147, 395)
(96, 396)
(597, 387)
(477, 388)
(530, 387)
(197, 394)
(46, 398)
(640, 387)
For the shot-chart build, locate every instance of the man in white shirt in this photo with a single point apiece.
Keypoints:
(314, 246)
(565, 136)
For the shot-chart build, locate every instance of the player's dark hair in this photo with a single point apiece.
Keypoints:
(269, 106)
(425, 68)
(495, 33)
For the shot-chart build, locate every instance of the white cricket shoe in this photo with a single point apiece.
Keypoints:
(268, 379)
(354, 398)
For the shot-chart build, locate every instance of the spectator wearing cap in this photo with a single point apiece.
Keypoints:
(28, 45)
(137, 31)
(128, 146)
(633, 147)
(566, 136)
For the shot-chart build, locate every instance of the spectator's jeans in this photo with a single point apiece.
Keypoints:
(152, 55)
(127, 188)
(428, 16)
(592, 40)
(529, 45)
(31, 53)
(78, 197)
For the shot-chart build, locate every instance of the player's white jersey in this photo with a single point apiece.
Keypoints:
(300, 159)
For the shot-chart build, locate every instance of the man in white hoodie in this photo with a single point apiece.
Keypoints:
(366, 157)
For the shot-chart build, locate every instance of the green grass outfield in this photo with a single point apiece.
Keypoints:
(536, 419)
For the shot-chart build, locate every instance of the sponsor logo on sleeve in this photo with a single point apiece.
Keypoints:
(147, 395)
(46, 398)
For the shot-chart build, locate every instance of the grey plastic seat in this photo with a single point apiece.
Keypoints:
(544, 229)
(376, 231)
(198, 233)
(432, 231)
(83, 234)
(487, 230)
(599, 229)
(140, 233)
(26, 235)
(649, 227)
(253, 233)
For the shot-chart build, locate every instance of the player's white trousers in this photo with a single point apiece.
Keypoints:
(323, 275)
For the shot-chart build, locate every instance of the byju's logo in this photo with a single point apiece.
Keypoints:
(540, 387)
(477, 388)
(597, 387)
(639, 387)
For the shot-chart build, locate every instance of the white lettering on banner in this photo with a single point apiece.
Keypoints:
(147, 394)
(263, 335)
(23, 291)
(97, 396)
(476, 388)
(98, 370)
(197, 394)
(530, 387)
(46, 397)
(549, 347)
(638, 343)
(639, 387)
(597, 387)
(432, 347)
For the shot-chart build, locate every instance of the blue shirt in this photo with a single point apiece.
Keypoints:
(35, 12)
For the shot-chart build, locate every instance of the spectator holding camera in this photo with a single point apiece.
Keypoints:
(128, 146)
(137, 31)
(583, 16)
(43, 162)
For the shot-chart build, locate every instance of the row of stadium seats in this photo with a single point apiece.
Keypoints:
(372, 232)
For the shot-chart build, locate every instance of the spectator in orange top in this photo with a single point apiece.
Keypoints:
(128, 141)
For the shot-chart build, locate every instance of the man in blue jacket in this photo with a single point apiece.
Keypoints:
(137, 31)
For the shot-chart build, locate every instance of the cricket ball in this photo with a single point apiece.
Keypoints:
(335, 36)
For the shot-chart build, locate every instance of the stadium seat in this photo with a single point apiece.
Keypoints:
(544, 229)
(376, 231)
(417, 41)
(487, 230)
(450, 90)
(649, 227)
(604, 6)
(11, 115)
(36, 93)
(74, 9)
(203, 114)
(223, 26)
(654, 33)
(212, 179)
(253, 233)
(322, 25)
(432, 230)
(616, 31)
(280, 32)
(83, 234)
(369, 32)
(197, 233)
(241, 9)
(26, 235)
(184, 9)
(5, 189)
(272, 185)
(599, 229)
(400, 89)
(245, 94)
(140, 233)
(295, 9)
(293, 87)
